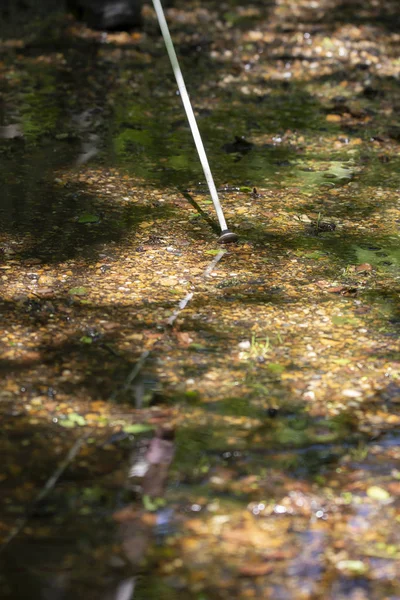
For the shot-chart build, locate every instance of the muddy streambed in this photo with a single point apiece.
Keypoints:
(181, 420)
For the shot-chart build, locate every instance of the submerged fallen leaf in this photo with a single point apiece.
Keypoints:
(78, 291)
(256, 570)
(377, 493)
(146, 224)
(354, 566)
(88, 218)
(167, 281)
(184, 338)
(333, 118)
(343, 290)
(73, 420)
(137, 428)
(128, 513)
(364, 268)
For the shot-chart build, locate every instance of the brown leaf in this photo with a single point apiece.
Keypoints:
(394, 488)
(322, 284)
(128, 513)
(110, 325)
(280, 555)
(351, 291)
(30, 356)
(91, 416)
(343, 290)
(256, 570)
(44, 292)
(168, 281)
(364, 268)
(184, 338)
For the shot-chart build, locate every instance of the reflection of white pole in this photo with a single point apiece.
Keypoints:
(125, 589)
(189, 111)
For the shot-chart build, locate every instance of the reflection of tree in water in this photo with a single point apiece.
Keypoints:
(52, 558)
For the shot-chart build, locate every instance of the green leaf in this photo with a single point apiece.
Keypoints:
(85, 339)
(88, 218)
(276, 368)
(315, 255)
(93, 494)
(137, 428)
(341, 361)
(212, 252)
(149, 504)
(152, 504)
(347, 497)
(73, 420)
(377, 493)
(197, 347)
(355, 566)
(78, 419)
(337, 320)
(67, 423)
(78, 291)
(192, 395)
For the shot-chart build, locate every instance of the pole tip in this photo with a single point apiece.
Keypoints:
(227, 237)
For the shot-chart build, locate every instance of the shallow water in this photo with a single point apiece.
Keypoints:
(279, 377)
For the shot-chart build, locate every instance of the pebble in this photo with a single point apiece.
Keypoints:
(245, 345)
(351, 393)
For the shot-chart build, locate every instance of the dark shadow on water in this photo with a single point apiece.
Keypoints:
(383, 14)
(56, 223)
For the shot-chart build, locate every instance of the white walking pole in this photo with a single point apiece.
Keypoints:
(226, 234)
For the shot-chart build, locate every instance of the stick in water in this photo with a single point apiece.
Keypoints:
(226, 234)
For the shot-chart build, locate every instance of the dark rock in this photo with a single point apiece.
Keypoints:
(283, 163)
(108, 14)
(394, 133)
(371, 93)
(239, 146)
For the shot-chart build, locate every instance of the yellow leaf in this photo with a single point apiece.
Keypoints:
(333, 118)
(146, 224)
(167, 281)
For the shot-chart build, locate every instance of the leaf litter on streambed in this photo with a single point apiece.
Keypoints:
(280, 376)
